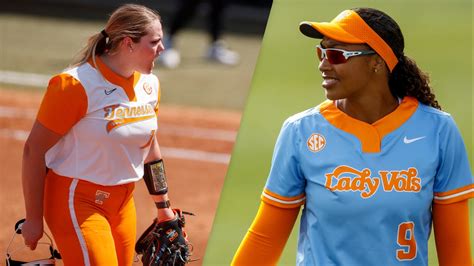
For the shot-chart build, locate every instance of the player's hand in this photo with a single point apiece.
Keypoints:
(32, 231)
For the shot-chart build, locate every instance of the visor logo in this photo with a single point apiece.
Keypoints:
(316, 142)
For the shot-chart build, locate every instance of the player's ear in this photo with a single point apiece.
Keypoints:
(127, 43)
(376, 63)
(379, 61)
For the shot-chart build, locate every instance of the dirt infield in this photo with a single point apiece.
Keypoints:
(196, 144)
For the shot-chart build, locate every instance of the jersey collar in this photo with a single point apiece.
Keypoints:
(370, 135)
(128, 84)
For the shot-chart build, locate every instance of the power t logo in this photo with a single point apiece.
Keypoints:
(100, 196)
(347, 179)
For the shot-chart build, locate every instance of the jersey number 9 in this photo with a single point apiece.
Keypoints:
(406, 240)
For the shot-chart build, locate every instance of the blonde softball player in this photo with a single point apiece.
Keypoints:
(94, 137)
(375, 165)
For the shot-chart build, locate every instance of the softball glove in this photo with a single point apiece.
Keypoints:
(165, 243)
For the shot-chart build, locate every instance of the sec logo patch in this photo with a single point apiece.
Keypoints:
(147, 88)
(316, 142)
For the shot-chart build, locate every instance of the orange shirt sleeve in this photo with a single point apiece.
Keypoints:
(267, 236)
(63, 105)
(451, 228)
(455, 195)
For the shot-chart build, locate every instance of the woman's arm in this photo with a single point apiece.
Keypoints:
(163, 214)
(267, 236)
(451, 228)
(38, 143)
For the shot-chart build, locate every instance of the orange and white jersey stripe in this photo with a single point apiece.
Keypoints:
(454, 195)
(281, 201)
(107, 123)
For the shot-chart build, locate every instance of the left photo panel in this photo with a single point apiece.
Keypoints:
(117, 123)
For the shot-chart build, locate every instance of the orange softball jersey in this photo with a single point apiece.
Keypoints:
(107, 123)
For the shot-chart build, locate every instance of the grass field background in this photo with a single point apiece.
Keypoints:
(438, 35)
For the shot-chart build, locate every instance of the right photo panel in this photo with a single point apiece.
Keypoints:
(355, 145)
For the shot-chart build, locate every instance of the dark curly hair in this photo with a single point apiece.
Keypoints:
(406, 78)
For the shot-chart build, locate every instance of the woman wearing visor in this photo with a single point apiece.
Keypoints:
(375, 165)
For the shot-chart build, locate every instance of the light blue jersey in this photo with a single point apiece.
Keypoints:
(368, 188)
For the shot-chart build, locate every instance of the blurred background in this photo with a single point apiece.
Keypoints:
(200, 109)
(438, 35)
(41, 37)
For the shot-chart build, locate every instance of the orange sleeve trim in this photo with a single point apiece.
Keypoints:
(454, 195)
(282, 201)
(64, 104)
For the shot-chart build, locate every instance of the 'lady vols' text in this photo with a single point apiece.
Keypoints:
(346, 178)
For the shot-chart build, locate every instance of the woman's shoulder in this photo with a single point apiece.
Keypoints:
(64, 79)
(74, 73)
(310, 113)
(436, 119)
(74, 79)
(428, 110)
(437, 116)
(150, 76)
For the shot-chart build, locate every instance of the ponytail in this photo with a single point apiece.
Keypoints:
(406, 78)
(409, 80)
(96, 46)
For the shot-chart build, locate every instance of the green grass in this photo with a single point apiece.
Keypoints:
(438, 35)
(46, 45)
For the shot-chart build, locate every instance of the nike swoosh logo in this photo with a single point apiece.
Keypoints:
(408, 141)
(108, 92)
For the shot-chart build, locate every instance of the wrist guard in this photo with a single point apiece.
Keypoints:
(163, 204)
(155, 177)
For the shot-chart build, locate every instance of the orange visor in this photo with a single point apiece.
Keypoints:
(349, 27)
